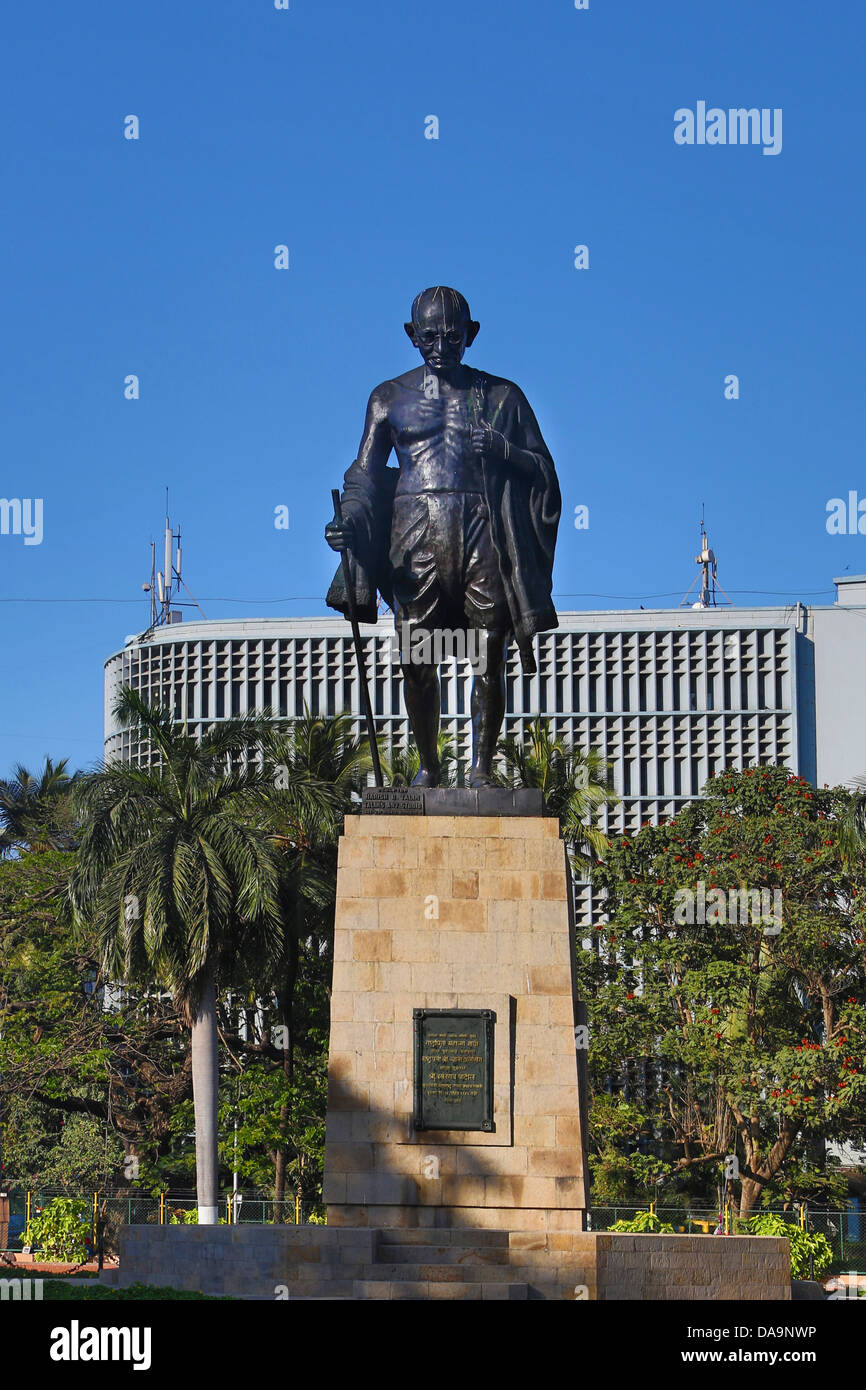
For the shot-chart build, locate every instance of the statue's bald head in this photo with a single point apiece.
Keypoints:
(440, 299)
(442, 327)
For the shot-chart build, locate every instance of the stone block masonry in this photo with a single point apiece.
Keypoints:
(303, 1262)
(454, 912)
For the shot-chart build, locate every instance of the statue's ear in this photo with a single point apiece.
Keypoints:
(472, 334)
(410, 330)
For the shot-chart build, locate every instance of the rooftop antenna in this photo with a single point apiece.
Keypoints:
(708, 577)
(165, 584)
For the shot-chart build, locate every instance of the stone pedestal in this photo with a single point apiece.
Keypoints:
(444, 911)
(454, 912)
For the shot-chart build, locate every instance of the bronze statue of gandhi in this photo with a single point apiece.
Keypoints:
(462, 535)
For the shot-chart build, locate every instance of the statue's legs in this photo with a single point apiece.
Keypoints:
(488, 706)
(421, 693)
(446, 581)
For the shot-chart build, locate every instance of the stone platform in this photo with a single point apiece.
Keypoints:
(454, 912)
(279, 1262)
(446, 908)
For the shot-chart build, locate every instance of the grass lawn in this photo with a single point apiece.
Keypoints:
(62, 1291)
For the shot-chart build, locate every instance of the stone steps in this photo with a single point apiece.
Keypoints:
(464, 1264)
(424, 1290)
(443, 1235)
(446, 1255)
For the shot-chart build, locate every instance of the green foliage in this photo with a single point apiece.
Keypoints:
(188, 1216)
(731, 1036)
(174, 879)
(57, 1291)
(272, 1109)
(576, 784)
(83, 1067)
(91, 1070)
(811, 1252)
(401, 765)
(645, 1223)
(183, 1216)
(61, 1231)
(621, 1174)
(806, 1182)
(53, 1150)
(38, 812)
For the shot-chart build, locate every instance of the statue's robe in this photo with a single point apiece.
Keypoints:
(524, 518)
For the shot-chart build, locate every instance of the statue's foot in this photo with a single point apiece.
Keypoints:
(427, 777)
(479, 778)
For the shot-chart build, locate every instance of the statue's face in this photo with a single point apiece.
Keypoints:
(441, 334)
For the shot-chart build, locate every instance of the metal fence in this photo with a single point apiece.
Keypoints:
(105, 1214)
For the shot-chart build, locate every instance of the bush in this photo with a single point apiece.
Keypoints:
(183, 1216)
(811, 1253)
(645, 1223)
(188, 1216)
(62, 1231)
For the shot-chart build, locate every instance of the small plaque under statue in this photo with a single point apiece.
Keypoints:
(392, 801)
(454, 1069)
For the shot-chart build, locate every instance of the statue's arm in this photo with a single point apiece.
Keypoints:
(376, 440)
(360, 500)
(519, 444)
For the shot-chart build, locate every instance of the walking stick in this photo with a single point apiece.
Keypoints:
(359, 654)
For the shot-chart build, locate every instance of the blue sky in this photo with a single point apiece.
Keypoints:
(306, 127)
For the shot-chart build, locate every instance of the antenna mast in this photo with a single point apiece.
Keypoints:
(165, 584)
(708, 577)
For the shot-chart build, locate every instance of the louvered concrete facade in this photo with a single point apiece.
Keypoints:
(669, 698)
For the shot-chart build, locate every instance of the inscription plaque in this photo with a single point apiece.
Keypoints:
(454, 1068)
(392, 801)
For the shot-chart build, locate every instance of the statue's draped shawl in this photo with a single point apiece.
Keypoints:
(524, 517)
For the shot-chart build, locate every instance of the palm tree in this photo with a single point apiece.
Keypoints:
(179, 885)
(401, 764)
(319, 768)
(575, 784)
(37, 811)
(852, 823)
